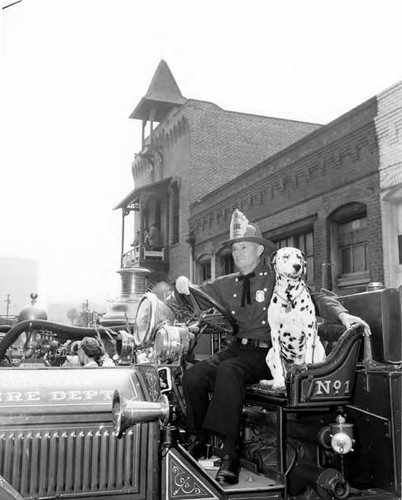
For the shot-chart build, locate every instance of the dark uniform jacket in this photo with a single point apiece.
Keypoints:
(252, 317)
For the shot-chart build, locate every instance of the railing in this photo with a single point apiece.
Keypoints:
(142, 253)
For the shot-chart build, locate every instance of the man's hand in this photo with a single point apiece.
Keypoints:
(348, 320)
(182, 285)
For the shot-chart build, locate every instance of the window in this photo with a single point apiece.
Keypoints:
(400, 248)
(352, 247)
(175, 214)
(286, 242)
(227, 264)
(205, 271)
(399, 229)
(354, 258)
(304, 241)
(349, 246)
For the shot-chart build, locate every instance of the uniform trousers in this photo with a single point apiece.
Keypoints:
(224, 376)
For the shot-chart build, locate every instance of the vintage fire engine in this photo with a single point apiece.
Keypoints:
(118, 432)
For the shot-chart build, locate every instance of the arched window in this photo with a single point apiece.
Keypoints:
(349, 244)
(225, 263)
(204, 269)
(228, 266)
(352, 246)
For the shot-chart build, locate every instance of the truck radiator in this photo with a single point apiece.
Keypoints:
(44, 463)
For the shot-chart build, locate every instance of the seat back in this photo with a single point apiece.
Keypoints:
(331, 382)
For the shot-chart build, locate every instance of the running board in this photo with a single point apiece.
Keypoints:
(183, 477)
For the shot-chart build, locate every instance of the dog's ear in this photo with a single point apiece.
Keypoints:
(273, 258)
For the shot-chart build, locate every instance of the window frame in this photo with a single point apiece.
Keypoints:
(225, 258)
(175, 213)
(202, 264)
(345, 214)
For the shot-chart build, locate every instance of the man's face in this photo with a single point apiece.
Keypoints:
(246, 255)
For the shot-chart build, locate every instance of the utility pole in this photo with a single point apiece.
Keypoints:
(85, 313)
(8, 302)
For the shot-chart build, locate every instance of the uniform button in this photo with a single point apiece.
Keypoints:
(235, 295)
(260, 274)
(233, 312)
(236, 279)
(265, 289)
(265, 273)
(263, 322)
(263, 308)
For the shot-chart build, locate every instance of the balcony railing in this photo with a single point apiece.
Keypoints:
(143, 255)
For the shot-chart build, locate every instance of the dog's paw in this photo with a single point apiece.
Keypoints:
(279, 383)
(266, 383)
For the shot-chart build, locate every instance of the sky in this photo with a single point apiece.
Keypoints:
(72, 71)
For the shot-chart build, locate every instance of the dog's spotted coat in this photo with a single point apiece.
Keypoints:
(291, 316)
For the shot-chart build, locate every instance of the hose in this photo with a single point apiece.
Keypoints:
(63, 331)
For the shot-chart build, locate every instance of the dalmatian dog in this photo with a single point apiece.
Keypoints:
(291, 316)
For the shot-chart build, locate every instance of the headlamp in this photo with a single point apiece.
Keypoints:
(171, 342)
(151, 314)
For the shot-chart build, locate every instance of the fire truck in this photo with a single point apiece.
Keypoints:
(118, 432)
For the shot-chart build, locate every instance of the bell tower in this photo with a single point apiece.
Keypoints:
(162, 96)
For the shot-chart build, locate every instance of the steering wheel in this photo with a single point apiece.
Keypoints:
(200, 316)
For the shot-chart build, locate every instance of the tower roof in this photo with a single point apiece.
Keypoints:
(163, 94)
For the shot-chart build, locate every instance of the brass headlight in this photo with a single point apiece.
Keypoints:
(125, 346)
(171, 342)
(151, 313)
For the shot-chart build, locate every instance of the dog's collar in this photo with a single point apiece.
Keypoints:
(289, 301)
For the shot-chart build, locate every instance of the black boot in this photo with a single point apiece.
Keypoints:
(228, 472)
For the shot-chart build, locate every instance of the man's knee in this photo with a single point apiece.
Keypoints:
(230, 372)
(194, 376)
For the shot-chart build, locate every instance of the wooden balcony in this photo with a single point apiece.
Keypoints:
(153, 258)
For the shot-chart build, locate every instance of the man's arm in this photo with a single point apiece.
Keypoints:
(348, 320)
(182, 287)
(330, 308)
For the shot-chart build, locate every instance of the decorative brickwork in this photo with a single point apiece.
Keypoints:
(328, 169)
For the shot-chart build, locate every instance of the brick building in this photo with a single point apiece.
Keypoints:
(336, 193)
(389, 133)
(189, 148)
(335, 190)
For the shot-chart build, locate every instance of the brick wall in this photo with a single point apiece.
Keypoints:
(279, 172)
(203, 147)
(331, 167)
(389, 132)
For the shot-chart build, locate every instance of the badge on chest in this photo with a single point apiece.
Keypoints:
(260, 296)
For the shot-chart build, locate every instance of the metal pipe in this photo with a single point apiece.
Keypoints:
(64, 331)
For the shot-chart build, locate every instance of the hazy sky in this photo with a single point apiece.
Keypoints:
(73, 71)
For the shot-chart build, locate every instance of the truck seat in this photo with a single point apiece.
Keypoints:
(322, 385)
